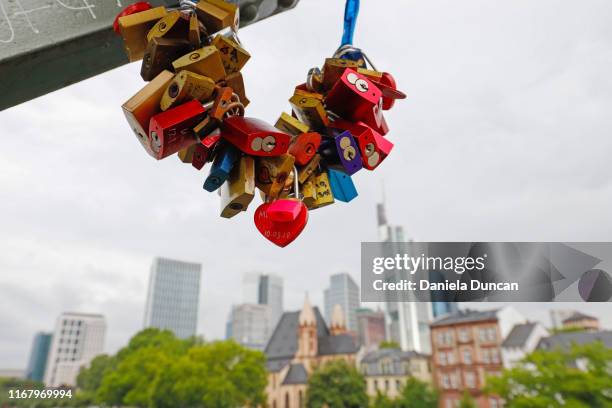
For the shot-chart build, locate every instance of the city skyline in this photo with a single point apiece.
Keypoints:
(511, 147)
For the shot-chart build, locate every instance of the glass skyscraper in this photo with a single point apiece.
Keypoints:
(342, 291)
(173, 296)
(38, 357)
(264, 289)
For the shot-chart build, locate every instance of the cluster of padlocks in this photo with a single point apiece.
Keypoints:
(195, 101)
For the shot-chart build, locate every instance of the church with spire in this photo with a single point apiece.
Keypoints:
(300, 343)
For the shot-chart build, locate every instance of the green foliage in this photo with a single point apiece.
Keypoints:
(220, 374)
(336, 385)
(467, 401)
(414, 394)
(417, 394)
(382, 401)
(156, 369)
(89, 379)
(388, 344)
(550, 378)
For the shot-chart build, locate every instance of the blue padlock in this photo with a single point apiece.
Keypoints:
(342, 186)
(224, 161)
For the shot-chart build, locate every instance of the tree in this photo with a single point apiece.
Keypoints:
(90, 378)
(336, 385)
(156, 369)
(417, 394)
(382, 401)
(467, 401)
(389, 344)
(578, 377)
(221, 374)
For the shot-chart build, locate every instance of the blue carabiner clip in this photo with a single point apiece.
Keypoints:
(351, 11)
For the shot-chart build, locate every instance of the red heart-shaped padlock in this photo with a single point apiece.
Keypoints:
(280, 233)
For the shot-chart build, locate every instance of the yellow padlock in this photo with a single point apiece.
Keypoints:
(324, 193)
(234, 57)
(187, 86)
(291, 125)
(309, 169)
(239, 189)
(271, 174)
(309, 192)
(333, 70)
(310, 110)
(204, 61)
(134, 29)
(217, 14)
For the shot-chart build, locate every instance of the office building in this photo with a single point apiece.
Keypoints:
(370, 327)
(173, 295)
(407, 322)
(264, 289)
(342, 291)
(251, 325)
(77, 339)
(440, 309)
(467, 347)
(38, 357)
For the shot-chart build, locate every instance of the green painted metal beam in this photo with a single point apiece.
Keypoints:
(46, 45)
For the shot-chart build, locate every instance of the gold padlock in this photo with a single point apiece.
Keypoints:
(159, 55)
(134, 29)
(291, 125)
(186, 86)
(195, 29)
(186, 155)
(172, 25)
(309, 192)
(308, 94)
(272, 173)
(236, 82)
(217, 14)
(204, 61)
(234, 57)
(239, 190)
(309, 169)
(141, 107)
(375, 75)
(324, 193)
(309, 110)
(333, 70)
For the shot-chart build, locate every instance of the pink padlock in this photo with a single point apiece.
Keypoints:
(288, 209)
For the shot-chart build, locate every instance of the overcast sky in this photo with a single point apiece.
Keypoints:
(505, 136)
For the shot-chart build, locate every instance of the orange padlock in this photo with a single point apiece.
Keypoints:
(304, 147)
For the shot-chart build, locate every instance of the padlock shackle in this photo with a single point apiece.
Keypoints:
(296, 183)
(349, 48)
